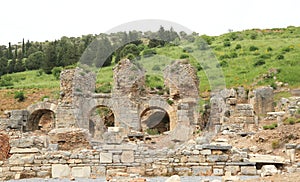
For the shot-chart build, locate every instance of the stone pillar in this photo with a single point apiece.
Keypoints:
(263, 100)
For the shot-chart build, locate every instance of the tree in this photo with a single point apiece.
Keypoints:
(3, 66)
(50, 57)
(19, 66)
(9, 53)
(23, 49)
(35, 60)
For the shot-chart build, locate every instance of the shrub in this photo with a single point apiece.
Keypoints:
(259, 63)
(279, 57)
(253, 48)
(238, 46)
(275, 144)
(104, 88)
(223, 64)
(39, 72)
(184, 56)
(188, 49)
(271, 127)
(20, 96)
(227, 44)
(290, 121)
(170, 102)
(269, 49)
(153, 131)
(56, 72)
(6, 81)
(265, 56)
(233, 55)
(149, 52)
(156, 68)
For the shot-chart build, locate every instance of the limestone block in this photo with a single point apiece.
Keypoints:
(174, 178)
(17, 168)
(99, 171)
(268, 170)
(218, 171)
(205, 152)
(22, 142)
(232, 169)
(60, 171)
(266, 159)
(248, 170)
(81, 172)
(217, 158)
(20, 159)
(127, 157)
(202, 170)
(15, 150)
(105, 157)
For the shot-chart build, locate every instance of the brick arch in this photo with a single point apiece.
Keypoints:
(37, 111)
(159, 103)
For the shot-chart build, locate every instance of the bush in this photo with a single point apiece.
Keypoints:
(269, 49)
(227, 44)
(275, 144)
(105, 88)
(238, 46)
(279, 57)
(253, 48)
(270, 127)
(56, 72)
(188, 49)
(20, 96)
(289, 121)
(259, 63)
(156, 68)
(184, 56)
(265, 56)
(149, 52)
(223, 64)
(153, 131)
(6, 81)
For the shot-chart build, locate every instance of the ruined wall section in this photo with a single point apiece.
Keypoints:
(129, 86)
(183, 83)
(76, 85)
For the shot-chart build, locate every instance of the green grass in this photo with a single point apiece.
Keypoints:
(238, 68)
(32, 79)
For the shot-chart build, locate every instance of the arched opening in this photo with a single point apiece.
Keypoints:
(43, 120)
(155, 121)
(100, 119)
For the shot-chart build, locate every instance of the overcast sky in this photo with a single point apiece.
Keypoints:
(40, 20)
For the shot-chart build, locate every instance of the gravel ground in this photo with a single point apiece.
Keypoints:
(154, 179)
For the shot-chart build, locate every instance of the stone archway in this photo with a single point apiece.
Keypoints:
(41, 119)
(100, 118)
(155, 120)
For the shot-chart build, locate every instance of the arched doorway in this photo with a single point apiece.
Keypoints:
(101, 117)
(42, 119)
(155, 121)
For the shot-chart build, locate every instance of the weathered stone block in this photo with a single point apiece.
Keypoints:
(105, 157)
(205, 152)
(98, 171)
(248, 170)
(202, 170)
(15, 150)
(60, 171)
(21, 159)
(81, 172)
(268, 170)
(218, 171)
(217, 158)
(136, 170)
(127, 157)
(232, 169)
(16, 168)
(266, 158)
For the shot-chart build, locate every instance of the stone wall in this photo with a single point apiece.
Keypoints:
(215, 158)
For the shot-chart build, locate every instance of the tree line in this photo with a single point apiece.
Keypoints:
(99, 50)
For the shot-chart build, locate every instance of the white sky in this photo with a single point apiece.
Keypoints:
(40, 20)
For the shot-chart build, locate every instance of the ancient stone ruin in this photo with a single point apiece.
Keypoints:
(87, 134)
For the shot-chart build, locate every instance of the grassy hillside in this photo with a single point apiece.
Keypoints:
(249, 58)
